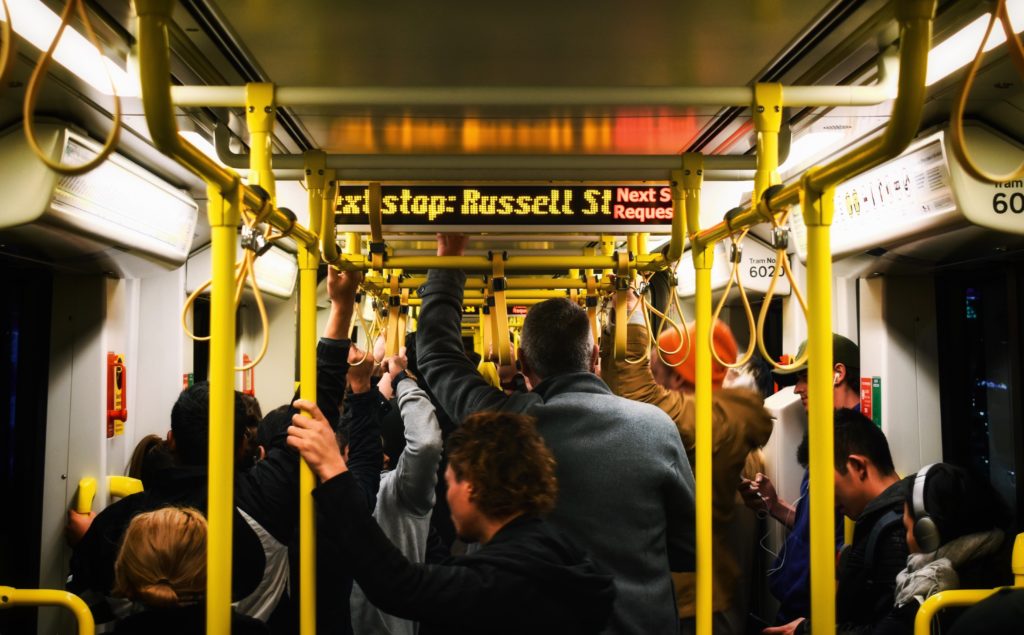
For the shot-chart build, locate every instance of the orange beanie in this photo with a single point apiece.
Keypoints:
(725, 346)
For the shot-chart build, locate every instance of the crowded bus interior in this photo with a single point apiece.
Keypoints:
(473, 317)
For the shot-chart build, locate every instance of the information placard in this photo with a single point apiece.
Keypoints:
(645, 207)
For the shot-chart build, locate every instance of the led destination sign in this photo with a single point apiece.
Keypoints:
(648, 207)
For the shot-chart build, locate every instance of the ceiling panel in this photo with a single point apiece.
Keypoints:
(602, 43)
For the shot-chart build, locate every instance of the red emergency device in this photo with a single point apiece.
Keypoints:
(117, 395)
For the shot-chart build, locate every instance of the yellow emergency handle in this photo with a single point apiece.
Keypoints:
(10, 597)
(122, 486)
(86, 493)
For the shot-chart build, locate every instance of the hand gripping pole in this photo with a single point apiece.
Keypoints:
(394, 310)
(621, 298)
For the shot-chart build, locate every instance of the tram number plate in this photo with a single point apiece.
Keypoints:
(582, 205)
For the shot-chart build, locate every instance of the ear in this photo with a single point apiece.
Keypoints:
(595, 357)
(521, 356)
(839, 373)
(170, 441)
(263, 453)
(858, 465)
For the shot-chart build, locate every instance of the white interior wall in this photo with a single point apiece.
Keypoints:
(899, 344)
(165, 354)
(275, 376)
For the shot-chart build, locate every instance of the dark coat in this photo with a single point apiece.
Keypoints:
(527, 579)
(267, 493)
(864, 594)
(183, 619)
(626, 491)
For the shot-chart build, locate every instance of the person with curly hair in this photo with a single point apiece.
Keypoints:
(526, 577)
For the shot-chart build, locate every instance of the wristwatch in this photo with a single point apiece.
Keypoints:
(399, 376)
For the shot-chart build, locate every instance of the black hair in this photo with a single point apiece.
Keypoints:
(557, 338)
(273, 429)
(958, 502)
(856, 434)
(852, 379)
(190, 423)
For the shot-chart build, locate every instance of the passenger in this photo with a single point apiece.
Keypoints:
(627, 488)
(741, 425)
(265, 497)
(406, 496)
(869, 491)
(527, 577)
(162, 566)
(149, 457)
(954, 529)
(999, 614)
(789, 578)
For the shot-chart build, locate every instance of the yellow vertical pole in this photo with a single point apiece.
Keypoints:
(818, 209)
(703, 257)
(308, 257)
(641, 242)
(224, 212)
(767, 110)
(259, 116)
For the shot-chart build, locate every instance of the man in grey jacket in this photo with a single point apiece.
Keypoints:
(626, 489)
(406, 496)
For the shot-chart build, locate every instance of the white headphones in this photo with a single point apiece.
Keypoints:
(925, 532)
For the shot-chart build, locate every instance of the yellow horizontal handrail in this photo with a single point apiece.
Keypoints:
(945, 600)
(154, 70)
(800, 96)
(480, 264)
(915, 18)
(11, 597)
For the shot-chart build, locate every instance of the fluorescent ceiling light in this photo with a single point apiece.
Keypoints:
(201, 144)
(811, 146)
(959, 49)
(35, 22)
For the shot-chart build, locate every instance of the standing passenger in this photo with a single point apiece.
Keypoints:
(626, 485)
(162, 566)
(790, 579)
(740, 424)
(406, 496)
(526, 578)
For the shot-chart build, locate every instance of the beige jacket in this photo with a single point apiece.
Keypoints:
(741, 425)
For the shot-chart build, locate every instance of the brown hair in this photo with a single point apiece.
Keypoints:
(505, 459)
(149, 443)
(163, 558)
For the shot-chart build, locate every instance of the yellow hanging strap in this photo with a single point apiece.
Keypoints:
(499, 309)
(735, 277)
(486, 335)
(403, 318)
(377, 247)
(956, 119)
(621, 298)
(391, 343)
(592, 302)
(780, 241)
(35, 81)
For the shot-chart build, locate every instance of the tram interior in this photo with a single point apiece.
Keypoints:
(927, 266)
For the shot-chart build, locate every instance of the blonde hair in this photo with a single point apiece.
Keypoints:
(162, 561)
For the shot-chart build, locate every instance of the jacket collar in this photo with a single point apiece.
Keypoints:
(888, 499)
(585, 382)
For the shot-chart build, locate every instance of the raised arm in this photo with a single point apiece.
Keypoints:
(332, 361)
(441, 357)
(365, 454)
(636, 381)
(416, 472)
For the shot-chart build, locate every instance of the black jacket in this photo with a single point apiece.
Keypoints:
(527, 579)
(183, 619)
(867, 569)
(267, 493)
